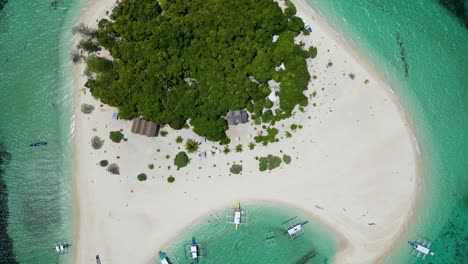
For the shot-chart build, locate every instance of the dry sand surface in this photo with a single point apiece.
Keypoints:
(354, 165)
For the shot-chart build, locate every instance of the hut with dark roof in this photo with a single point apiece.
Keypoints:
(146, 128)
(237, 117)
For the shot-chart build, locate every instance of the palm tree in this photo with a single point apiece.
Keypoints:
(226, 150)
(191, 146)
(239, 148)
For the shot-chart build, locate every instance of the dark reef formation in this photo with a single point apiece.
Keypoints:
(308, 256)
(459, 8)
(6, 244)
(402, 53)
(455, 234)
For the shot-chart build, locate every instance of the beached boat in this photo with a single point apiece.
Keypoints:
(39, 144)
(163, 257)
(421, 247)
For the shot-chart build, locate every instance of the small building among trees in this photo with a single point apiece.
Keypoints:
(146, 128)
(235, 117)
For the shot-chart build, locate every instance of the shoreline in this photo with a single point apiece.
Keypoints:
(83, 196)
(374, 69)
(358, 53)
(342, 243)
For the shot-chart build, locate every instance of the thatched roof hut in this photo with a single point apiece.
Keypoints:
(145, 128)
(237, 117)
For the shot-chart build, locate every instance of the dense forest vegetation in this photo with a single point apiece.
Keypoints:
(176, 61)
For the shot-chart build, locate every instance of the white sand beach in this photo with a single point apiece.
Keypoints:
(354, 164)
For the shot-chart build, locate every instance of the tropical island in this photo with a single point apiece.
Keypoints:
(190, 64)
(175, 62)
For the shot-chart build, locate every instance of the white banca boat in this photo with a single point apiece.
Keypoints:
(194, 250)
(421, 247)
(294, 227)
(237, 216)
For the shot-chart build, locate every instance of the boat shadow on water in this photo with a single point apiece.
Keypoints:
(308, 256)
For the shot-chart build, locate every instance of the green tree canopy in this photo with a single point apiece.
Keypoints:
(195, 60)
(181, 160)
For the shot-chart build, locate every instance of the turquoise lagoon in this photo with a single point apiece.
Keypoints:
(223, 244)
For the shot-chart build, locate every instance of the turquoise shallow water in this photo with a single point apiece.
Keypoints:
(433, 90)
(35, 105)
(223, 244)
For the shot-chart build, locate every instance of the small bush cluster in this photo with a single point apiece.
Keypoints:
(87, 109)
(287, 159)
(181, 160)
(235, 169)
(142, 177)
(97, 142)
(270, 137)
(163, 133)
(103, 163)
(113, 169)
(116, 136)
(313, 52)
(269, 162)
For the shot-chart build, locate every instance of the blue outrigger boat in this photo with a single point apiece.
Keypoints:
(39, 144)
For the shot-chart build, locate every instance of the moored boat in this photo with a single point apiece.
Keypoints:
(194, 250)
(237, 216)
(39, 144)
(163, 257)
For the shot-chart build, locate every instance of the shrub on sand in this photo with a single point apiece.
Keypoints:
(103, 163)
(114, 169)
(181, 160)
(97, 142)
(235, 169)
(116, 136)
(142, 177)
